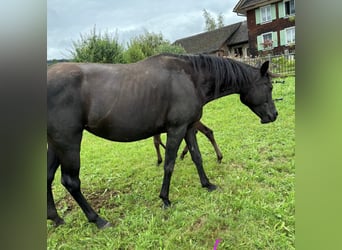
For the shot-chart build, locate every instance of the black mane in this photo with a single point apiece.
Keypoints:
(225, 71)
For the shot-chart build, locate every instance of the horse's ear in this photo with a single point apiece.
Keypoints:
(264, 68)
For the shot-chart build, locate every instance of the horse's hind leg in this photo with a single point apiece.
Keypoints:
(70, 166)
(52, 165)
(210, 135)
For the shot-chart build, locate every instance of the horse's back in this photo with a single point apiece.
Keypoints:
(125, 102)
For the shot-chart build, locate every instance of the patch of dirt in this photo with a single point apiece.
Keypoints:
(97, 199)
(198, 223)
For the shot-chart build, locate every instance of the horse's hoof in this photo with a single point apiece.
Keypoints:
(59, 222)
(211, 187)
(108, 224)
(102, 224)
(167, 203)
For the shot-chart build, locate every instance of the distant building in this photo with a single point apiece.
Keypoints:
(271, 25)
(53, 61)
(230, 40)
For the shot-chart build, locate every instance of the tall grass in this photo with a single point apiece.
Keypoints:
(252, 209)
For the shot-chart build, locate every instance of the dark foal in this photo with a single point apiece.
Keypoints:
(199, 126)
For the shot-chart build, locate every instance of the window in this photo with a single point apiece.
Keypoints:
(266, 15)
(290, 8)
(238, 52)
(288, 36)
(267, 41)
(291, 35)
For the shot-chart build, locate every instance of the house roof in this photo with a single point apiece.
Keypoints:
(240, 35)
(212, 41)
(244, 5)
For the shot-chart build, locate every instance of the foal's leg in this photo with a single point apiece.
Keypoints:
(157, 142)
(52, 165)
(191, 141)
(184, 152)
(70, 179)
(210, 135)
(174, 138)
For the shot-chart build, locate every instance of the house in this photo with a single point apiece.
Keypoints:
(271, 25)
(231, 40)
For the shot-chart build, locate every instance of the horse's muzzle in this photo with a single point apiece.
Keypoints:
(269, 118)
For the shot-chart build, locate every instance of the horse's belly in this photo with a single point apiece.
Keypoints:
(126, 131)
(123, 135)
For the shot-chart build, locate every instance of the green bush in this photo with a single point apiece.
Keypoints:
(169, 48)
(105, 48)
(149, 44)
(283, 64)
(95, 47)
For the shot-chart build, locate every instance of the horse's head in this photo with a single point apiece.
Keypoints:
(258, 97)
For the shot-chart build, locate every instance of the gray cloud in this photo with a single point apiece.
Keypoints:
(174, 19)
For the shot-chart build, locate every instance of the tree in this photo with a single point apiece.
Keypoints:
(220, 23)
(95, 47)
(210, 23)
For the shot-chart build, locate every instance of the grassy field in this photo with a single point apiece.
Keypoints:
(252, 209)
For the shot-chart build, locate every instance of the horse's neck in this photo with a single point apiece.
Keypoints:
(213, 89)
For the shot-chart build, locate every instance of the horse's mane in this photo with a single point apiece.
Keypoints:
(224, 70)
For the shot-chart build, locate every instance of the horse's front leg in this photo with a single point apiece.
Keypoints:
(196, 157)
(174, 138)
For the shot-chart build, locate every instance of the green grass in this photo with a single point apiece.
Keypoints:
(252, 209)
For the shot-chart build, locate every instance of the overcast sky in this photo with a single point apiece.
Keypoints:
(175, 19)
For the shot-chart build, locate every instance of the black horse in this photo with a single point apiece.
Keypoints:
(164, 93)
